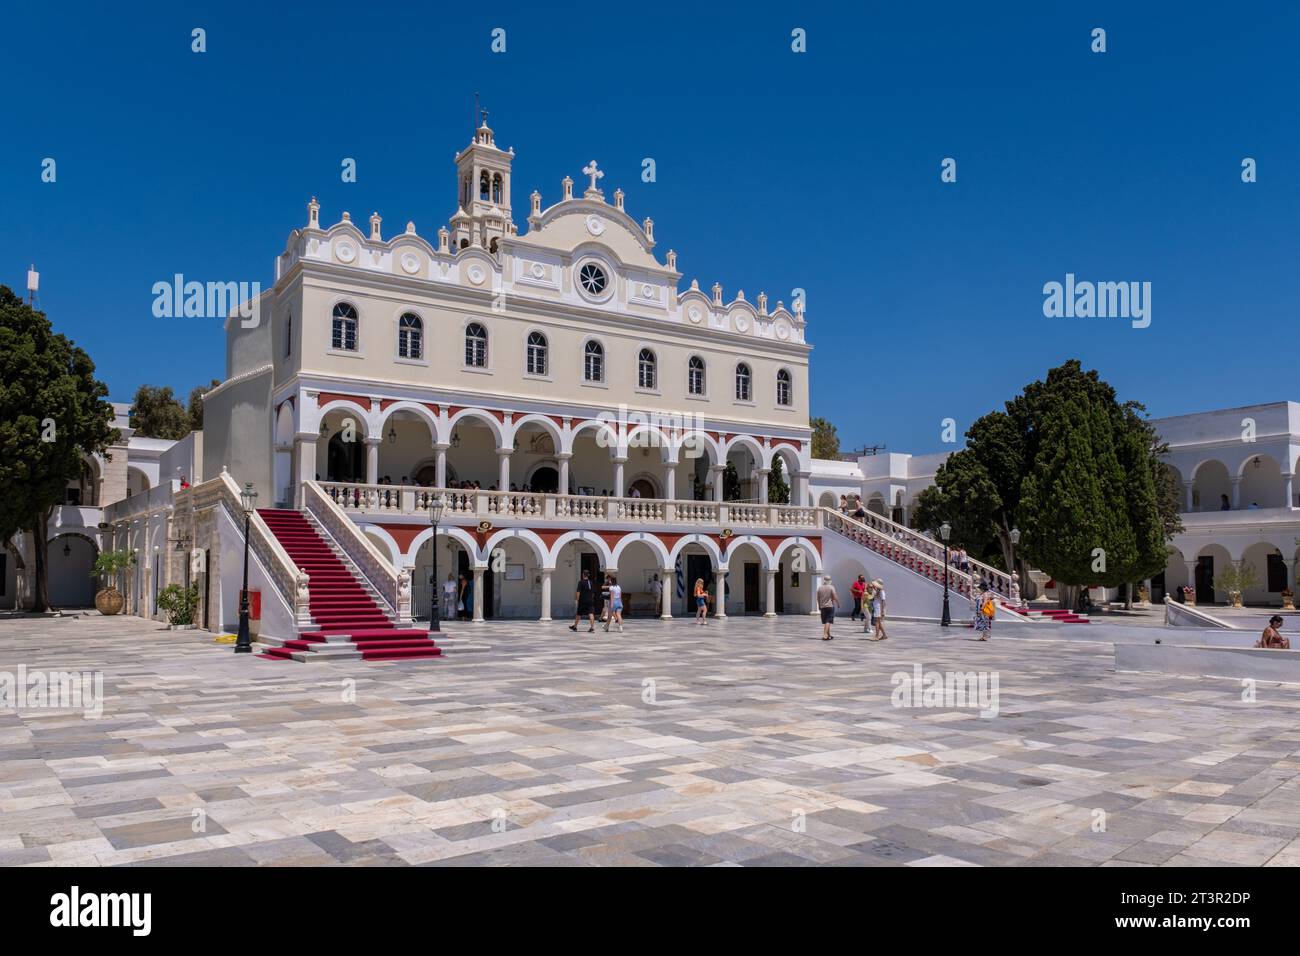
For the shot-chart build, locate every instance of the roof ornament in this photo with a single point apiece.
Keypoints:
(595, 174)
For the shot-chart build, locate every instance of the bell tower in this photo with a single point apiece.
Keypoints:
(483, 192)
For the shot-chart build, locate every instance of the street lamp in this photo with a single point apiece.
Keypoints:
(437, 504)
(248, 500)
(1015, 540)
(945, 530)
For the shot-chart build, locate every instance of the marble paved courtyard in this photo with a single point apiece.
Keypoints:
(744, 742)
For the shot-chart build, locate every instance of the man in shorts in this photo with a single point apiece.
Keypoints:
(827, 602)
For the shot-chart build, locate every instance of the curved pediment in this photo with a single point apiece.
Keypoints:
(572, 223)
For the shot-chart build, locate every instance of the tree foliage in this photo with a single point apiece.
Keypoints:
(53, 413)
(778, 489)
(825, 439)
(157, 413)
(195, 410)
(1076, 471)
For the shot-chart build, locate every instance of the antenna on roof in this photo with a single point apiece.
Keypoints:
(865, 451)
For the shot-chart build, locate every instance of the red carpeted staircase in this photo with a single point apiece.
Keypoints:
(340, 606)
(1051, 613)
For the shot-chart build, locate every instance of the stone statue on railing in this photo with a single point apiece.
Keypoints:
(404, 595)
(1015, 589)
(302, 599)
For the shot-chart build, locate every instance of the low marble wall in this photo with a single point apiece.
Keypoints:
(1207, 661)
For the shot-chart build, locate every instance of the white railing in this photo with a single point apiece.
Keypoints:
(926, 560)
(354, 498)
(892, 530)
(392, 585)
(290, 581)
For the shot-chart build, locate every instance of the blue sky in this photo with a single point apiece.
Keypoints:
(775, 170)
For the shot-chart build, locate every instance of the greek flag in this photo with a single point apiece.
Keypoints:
(681, 578)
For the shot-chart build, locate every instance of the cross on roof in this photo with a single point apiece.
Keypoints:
(595, 174)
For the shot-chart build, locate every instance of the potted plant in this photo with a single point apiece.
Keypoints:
(1189, 594)
(179, 603)
(1235, 578)
(109, 564)
(1288, 599)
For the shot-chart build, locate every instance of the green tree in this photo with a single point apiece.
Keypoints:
(825, 440)
(730, 482)
(156, 413)
(53, 412)
(195, 411)
(778, 489)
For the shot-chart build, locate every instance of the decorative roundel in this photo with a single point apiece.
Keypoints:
(741, 322)
(538, 270)
(647, 290)
(593, 278)
(345, 251)
(782, 330)
(476, 274)
(410, 263)
(595, 226)
(694, 314)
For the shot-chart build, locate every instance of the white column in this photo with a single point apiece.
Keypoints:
(478, 595)
(1191, 576)
(800, 496)
(670, 481)
(668, 578)
(1289, 499)
(503, 483)
(717, 471)
(618, 476)
(769, 604)
(762, 484)
(546, 594)
(720, 591)
(304, 463)
(1236, 493)
(372, 460)
(563, 487)
(1290, 572)
(440, 466)
(1188, 486)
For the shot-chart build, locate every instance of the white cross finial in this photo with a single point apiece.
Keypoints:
(595, 174)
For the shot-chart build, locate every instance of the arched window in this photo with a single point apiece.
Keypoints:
(536, 353)
(464, 194)
(646, 369)
(410, 337)
(784, 388)
(695, 375)
(593, 362)
(496, 189)
(288, 334)
(475, 346)
(484, 185)
(743, 382)
(344, 333)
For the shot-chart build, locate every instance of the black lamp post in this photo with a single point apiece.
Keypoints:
(1015, 540)
(243, 643)
(945, 530)
(436, 506)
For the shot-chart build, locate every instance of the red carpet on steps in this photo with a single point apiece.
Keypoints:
(339, 604)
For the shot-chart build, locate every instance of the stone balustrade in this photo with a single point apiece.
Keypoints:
(470, 506)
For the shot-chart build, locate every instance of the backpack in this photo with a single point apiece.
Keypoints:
(987, 608)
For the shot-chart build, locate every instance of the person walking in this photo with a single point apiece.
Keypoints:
(615, 615)
(585, 599)
(868, 612)
(827, 602)
(988, 607)
(858, 589)
(878, 609)
(701, 602)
